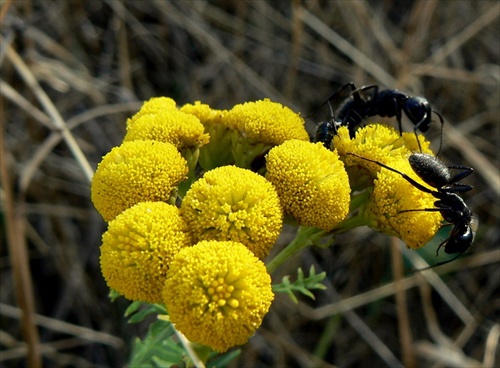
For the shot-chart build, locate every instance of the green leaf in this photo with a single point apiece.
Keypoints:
(113, 295)
(132, 308)
(137, 315)
(158, 347)
(222, 361)
(141, 315)
(302, 284)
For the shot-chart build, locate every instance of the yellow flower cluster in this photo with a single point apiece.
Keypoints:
(391, 193)
(152, 107)
(138, 247)
(311, 182)
(195, 199)
(135, 172)
(231, 203)
(258, 127)
(267, 122)
(218, 151)
(228, 220)
(217, 293)
(172, 126)
(208, 116)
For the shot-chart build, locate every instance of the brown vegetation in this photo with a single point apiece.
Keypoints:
(73, 71)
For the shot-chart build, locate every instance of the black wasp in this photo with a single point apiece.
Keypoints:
(451, 206)
(385, 103)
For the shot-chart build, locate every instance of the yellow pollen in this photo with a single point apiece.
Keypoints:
(220, 293)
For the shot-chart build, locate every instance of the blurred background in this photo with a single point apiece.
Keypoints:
(73, 71)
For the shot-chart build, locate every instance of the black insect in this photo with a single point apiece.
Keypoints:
(326, 130)
(451, 206)
(385, 103)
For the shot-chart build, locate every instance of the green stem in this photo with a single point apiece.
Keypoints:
(357, 200)
(305, 237)
(348, 224)
(191, 155)
(194, 356)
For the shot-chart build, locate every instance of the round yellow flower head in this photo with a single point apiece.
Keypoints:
(151, 107)
(259, 126)
(138, 247)
(168, 125)
(267, 122)
(135, 172)
(217, 293)
(374, 141)
(230, 203)
(393, 194)
(218, 151)
(311, 182)
(377, 142)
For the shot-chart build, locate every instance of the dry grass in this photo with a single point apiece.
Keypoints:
(72, 71)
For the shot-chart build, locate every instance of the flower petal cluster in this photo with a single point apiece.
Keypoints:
(168, 125)
(160, 120)
(135, 172)
(152, 107)
(231, 203)
(377, 142)
(311, 182)
(258, 126)
(267, 122)
(217, 293)
(205, 113)
(391, 192)
(374, 141)
(218, 151)
(138, 247)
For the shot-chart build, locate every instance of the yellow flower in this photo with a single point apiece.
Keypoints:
(217, 293)
(267, 122)
(261, 125)
(230, 203)
(391, 193)
(311, 182)
(151, 107)
(377, 142)
(411, 143)
(218, 152)
(135, 172)
(205, 113)
(168, 125)
(138, 247)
